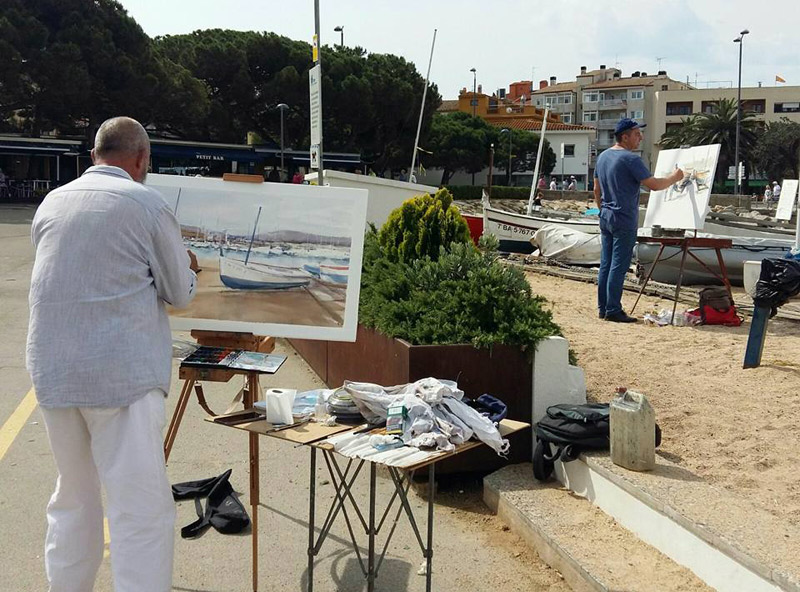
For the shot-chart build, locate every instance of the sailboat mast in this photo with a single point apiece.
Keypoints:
(422, 110)
(253, 237)
(538, 162)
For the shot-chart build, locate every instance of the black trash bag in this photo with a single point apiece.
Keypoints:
(779, 281)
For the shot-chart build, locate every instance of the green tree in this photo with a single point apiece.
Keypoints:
(777, 150)
(74, 63)
(459, 142)
(524, 146)
(716, 127)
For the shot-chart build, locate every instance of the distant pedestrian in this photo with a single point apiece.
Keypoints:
(274, 176)
(767, 193)
(776, 191)
(572, 185)
(403, 175)
(553, 184)
(298, 178)
(541, 184)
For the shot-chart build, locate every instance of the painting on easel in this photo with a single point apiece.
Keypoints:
(683, 204)
(276, 259)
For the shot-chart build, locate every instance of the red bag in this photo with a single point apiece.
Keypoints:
(712, 316)
(717, 307)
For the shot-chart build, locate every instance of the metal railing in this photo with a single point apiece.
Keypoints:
(612, 103)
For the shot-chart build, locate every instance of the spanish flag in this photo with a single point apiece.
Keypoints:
(779, 79)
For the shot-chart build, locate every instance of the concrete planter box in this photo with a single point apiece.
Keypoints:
(504, 371)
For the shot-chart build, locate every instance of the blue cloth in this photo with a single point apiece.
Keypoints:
(615, 259)
(620, 173)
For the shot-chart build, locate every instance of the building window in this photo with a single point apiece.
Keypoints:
(664, 87)
(590, 97)
(787, 107)
(569, 150)
(682, 108)
(590, 116)
(551, 100)
(637, 114)
(566, 117)
(565, 98)
(637, 95)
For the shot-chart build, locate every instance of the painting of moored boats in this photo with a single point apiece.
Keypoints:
(276, 259)
(683, 204)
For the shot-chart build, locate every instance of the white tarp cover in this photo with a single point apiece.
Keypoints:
(567, 246)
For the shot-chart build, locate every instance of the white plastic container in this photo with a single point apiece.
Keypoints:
(751, 272)
(632, 431)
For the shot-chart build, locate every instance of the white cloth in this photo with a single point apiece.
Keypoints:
(109, 254)
(122, 448)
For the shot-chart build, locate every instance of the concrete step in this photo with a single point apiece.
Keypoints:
(729, 542)
(591, 550)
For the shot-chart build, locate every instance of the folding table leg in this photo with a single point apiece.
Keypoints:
(254, 478)
(312, 491)
(371, 558)
(756, 338)
(429, 551)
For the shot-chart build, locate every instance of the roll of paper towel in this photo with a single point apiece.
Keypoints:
(279, 404)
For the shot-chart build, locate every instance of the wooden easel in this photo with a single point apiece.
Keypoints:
(686, 244)
(192, 378)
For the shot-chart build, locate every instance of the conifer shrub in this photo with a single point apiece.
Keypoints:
(462, 295)
(421, 227)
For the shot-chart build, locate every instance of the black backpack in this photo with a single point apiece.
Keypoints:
(571, 429)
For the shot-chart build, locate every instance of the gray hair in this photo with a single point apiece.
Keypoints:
(120, 137)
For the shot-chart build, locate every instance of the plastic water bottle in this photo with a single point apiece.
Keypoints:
(320, 409)
(632, 431)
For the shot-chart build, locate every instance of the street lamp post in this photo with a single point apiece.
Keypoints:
(474, 101)
(737, 176)
(282, 107)
(340, 29)
(505, 130)
(474, 90)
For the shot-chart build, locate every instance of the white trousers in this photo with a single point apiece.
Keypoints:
(122, 449)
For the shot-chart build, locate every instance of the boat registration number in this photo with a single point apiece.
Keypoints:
(516, 229)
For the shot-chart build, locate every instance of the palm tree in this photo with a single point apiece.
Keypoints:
(716, 127)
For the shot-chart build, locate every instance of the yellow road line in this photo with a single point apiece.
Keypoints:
(14, 424)
(106, 539)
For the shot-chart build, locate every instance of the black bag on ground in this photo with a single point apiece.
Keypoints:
(567, 430)
(223, 509)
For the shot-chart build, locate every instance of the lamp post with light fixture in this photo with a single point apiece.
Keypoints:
(737, 175)
(340, 29)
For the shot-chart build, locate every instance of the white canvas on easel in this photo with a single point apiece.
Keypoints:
(684, 204)
(277, 259)
(787, 199)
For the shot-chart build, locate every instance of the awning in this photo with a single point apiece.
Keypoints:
(36, 149)
(204, 153)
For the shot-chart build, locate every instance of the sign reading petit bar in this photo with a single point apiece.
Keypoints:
(315, 91)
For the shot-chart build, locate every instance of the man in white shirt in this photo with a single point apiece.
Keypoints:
(109, 256)
(553, 184)
(776, 190)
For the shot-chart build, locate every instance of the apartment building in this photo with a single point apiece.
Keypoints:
(599, 98)
(766, 103)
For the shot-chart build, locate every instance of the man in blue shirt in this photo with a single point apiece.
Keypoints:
(617, 177)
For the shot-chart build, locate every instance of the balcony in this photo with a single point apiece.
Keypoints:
(612, 104)
(605, 143)
(605, 124)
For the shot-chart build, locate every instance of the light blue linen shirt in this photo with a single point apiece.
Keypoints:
(109, 254)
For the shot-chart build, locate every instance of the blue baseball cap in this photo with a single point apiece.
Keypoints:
(625, 124)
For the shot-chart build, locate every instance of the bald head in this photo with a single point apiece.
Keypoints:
(123, 142)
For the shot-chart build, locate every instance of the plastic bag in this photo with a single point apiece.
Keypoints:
(779, 281)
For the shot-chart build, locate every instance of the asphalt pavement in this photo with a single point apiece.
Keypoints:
(472, 551)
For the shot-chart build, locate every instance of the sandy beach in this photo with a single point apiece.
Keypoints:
(317, 304)
(733, 427)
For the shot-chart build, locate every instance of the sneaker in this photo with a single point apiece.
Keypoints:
(620, 317)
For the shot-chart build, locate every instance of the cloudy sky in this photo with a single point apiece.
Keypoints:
(523, 39)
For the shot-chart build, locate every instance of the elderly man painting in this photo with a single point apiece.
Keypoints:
(109, 256)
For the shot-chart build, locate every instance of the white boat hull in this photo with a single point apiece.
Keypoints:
(238, 276)
(515, 231)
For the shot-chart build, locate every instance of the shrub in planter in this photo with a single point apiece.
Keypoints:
(464, 296)
(421, 227)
